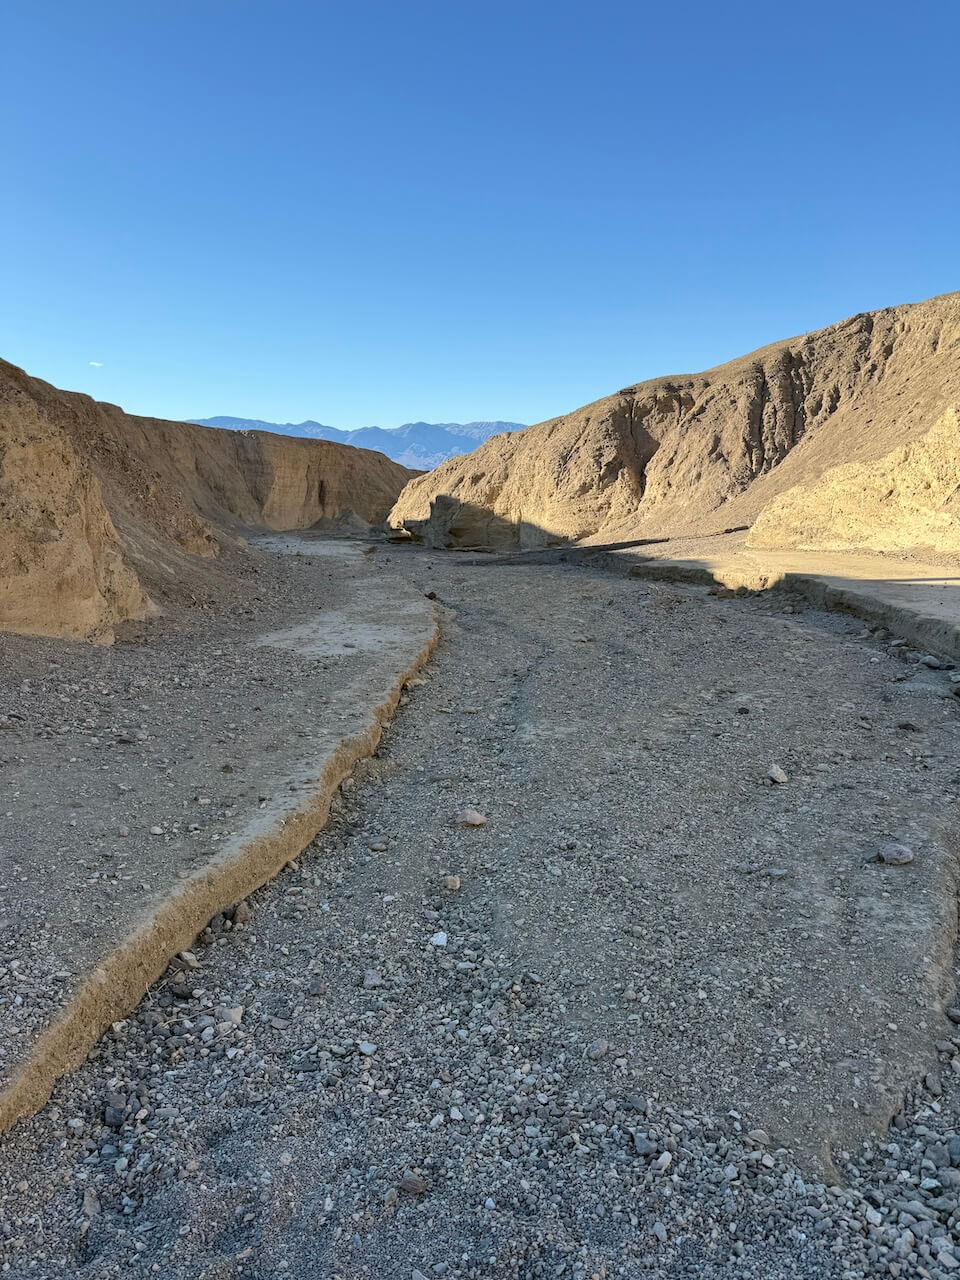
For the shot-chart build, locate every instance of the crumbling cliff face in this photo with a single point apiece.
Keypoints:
(102, 513)
(699, 453)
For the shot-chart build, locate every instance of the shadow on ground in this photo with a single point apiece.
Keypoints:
(920, 601)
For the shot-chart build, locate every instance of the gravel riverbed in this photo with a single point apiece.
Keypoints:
(652, 1017)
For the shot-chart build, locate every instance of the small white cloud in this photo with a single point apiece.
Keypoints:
(96, 364)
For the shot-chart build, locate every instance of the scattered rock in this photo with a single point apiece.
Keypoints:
(471, 818)
(642, 1144)
(895, 855)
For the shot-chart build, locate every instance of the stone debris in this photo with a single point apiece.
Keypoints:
(895, 855)
(471, 818)
(242, 913)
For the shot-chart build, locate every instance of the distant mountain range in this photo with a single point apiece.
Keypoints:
(420, 445)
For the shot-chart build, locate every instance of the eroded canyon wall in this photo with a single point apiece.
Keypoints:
(698, 453)
(101, 511)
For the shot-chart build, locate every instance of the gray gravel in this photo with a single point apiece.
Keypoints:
(633, 1025)
(117, 762)
(127, 769)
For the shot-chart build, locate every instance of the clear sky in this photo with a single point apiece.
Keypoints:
(370, 211)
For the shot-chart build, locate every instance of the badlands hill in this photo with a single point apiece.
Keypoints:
(104, 516)
(846, 437)
(420, 445)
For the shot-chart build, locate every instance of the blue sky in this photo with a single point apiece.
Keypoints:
(368, 211)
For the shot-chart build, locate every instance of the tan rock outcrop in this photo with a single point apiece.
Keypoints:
(907, 501)
(100, 511)
(62, 568)
(699, 453)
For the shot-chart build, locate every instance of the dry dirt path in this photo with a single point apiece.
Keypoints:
(621, 1029)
